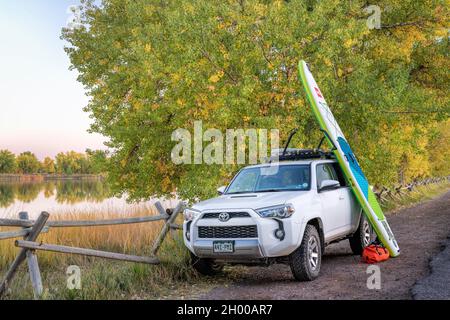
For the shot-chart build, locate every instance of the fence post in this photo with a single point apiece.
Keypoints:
(34, 232)
(166, 227)
(33, 266)
(160, 208)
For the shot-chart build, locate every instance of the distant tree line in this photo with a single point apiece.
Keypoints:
(71, 162)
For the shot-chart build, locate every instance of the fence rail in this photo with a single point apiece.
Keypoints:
(163, 215)
(19, 233)
(31, 229)
(85, 252)
(384, 194)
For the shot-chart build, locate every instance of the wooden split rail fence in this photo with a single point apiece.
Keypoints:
(31, 229)
(395, 193)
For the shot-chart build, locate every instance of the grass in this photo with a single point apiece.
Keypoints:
(107, 279)
(418, 194)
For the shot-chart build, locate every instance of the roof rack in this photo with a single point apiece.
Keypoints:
(290, 154)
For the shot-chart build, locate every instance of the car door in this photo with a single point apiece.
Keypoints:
(350, 208)
(336, 210)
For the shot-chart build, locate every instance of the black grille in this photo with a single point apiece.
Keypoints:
(212, 215)
(228, 232)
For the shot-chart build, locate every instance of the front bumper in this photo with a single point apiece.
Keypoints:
(243, 248)
(265, 245)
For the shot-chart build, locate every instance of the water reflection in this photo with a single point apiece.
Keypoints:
(63, 192)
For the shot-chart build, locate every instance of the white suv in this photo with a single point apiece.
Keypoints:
(284, 213)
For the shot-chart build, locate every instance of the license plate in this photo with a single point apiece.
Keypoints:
(223, 246)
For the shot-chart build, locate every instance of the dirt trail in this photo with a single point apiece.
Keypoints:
(437, 284)
(420, 231)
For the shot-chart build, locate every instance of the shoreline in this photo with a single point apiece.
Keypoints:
(6, 177)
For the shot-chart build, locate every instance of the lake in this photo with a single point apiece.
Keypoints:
(64, 196)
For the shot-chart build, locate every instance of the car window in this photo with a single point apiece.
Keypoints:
(244, 182)
(340, 174)
(325, 172)
(260, 179)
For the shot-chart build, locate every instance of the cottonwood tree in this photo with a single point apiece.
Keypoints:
(48, 165)
(7, 162)
(27, 163)
(151, 67)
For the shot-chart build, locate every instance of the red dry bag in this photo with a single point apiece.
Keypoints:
(374, 253)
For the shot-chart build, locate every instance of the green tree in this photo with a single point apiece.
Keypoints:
(7, 162)
(439, 150)
(83, 164)
(67, 162)
(98, 160)
(152, 67)
(28, 163)
(48, 165)
(72, 162)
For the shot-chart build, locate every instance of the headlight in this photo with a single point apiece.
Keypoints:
(190, 214)
(283, 211)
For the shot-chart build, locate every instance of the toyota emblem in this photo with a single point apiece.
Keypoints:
(224, 216)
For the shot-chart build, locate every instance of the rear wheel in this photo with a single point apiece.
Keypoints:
(204, 266)
(306, 260)
(362, 237)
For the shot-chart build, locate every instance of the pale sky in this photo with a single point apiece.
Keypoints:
(40, 99)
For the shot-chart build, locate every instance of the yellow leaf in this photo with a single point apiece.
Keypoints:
(348, 43)
(216, 77)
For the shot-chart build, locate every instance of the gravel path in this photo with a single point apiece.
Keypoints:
(437, 284)
(420, 231)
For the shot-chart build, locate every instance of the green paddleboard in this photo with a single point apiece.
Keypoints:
(347, 161)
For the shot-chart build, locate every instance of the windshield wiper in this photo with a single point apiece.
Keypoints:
(238, 192)
(279, 190)
(271, 190)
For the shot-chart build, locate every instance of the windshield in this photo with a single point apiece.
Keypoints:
(261, 179)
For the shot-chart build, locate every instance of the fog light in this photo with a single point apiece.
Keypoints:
(279, 234)
(188, 231)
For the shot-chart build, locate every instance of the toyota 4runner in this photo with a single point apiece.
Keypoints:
(286, 212)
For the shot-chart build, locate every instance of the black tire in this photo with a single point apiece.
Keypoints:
(300, 261)
(206, 267)
(362, 237)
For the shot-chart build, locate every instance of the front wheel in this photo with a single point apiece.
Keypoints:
(206, 267)
(362, 237)
(306, 260)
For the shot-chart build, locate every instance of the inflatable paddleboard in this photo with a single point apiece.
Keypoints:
(347, 161)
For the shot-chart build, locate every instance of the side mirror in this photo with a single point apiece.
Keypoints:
(221, 190)
(329, 184)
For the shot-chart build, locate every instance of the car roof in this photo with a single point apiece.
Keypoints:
(293, 162)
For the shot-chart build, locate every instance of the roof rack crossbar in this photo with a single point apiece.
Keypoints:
(301, 154)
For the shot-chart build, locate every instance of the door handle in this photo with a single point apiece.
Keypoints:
(341, 197)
